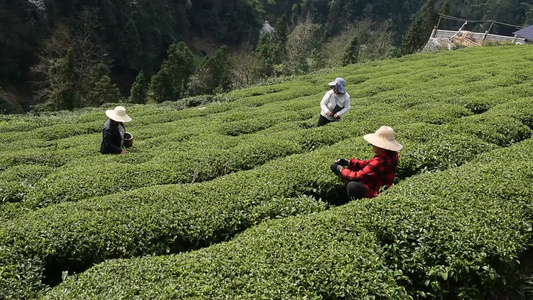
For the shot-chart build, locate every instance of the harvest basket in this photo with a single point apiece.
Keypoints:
(128, 139)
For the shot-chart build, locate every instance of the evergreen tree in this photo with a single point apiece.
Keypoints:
(265, 51)
(64, 83)
(420, 29)
(351, 54)
(528, 9)
(445, 10)
(100, 89)
(171, 82)
(411, 42)
(139, 89)
(103, 92)
(429, 19)
(281, 31)
(272, 47)
(214, 74)
(131, 46)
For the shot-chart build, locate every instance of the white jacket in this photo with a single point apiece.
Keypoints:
(330, 100)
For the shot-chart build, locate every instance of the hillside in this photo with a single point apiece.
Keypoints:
(231, 200)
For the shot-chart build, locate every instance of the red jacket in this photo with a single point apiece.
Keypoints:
(373, 173)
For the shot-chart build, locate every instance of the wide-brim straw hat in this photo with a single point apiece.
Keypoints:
(118, 114)
(383, 138)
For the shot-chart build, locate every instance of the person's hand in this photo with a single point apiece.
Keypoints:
(329, 113)
(337, 116)
(124, 152)
(335, 168)
(343, 162)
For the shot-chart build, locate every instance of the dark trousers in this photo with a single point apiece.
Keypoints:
(322, 121)
(355, 190)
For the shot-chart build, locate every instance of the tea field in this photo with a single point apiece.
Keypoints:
(235, 200)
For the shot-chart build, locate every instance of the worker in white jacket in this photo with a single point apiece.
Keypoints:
(335, 103)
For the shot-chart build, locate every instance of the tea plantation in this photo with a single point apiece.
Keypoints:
(232, 200)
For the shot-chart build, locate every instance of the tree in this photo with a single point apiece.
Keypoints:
(214, 74)
(420, 28)
(351, 53)
(139, 89)
(102, 90)
(172, 80)
(411, 42)
(281, 31)
(445, 10)
(131, 46)
(87, 48)
(23, 26)
(271, 47)
(63, 83)
(244, 65)
(304, 44)
(429, 18)
(379, 43)
(336, 46)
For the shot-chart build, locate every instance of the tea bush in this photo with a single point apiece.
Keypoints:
(17, 180)
(498, 129)
(321, 256)
(95, 179)
(198, 176)
(437, 240)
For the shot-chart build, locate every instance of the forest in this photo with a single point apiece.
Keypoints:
(57, 54)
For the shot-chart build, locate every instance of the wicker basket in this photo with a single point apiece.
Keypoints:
(128, 139)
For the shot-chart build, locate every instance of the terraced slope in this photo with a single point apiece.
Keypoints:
(231, 200)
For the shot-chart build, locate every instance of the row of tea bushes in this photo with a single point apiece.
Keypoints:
(282, 92)
(155, 220)
(460, 233)
(161, 219)
(16, 181)
(102, 176)
(320, 256)
(494, 127)
(452, 234)
(422, 91)
(185, 165)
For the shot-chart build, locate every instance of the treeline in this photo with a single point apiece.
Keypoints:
(88, 52)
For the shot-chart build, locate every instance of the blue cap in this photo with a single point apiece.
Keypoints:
(338, 84)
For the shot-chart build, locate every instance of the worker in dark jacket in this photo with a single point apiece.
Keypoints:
(114, 130)
(365, 177)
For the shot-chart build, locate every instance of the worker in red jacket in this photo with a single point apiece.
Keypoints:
(365, 177)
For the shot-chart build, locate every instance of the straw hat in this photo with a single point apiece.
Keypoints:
(383, 138)
(118, 114)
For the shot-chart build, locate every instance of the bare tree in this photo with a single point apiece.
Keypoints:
(304, 44)
(336, 46)
(379, 42)
(88, 50)
(244, 64)
(383, 39)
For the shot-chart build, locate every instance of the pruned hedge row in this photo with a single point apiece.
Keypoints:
(452, 234)
(16, 181)
(320, 256)
(431, 113)
(460, 233)
(161, 219)
(96, 179)
(80, 181)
